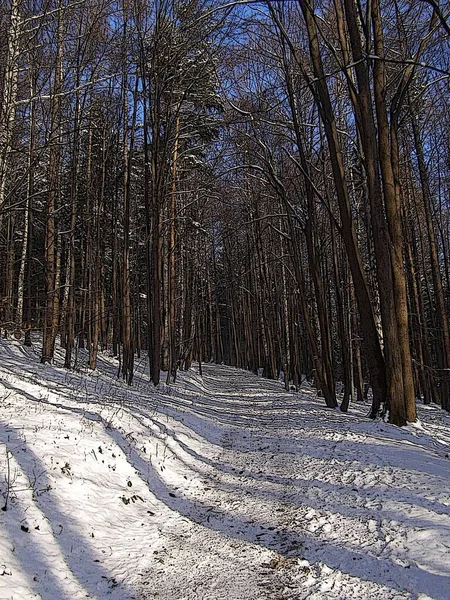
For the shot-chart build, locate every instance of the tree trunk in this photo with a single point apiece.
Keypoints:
(402, 406)
(374, 354)
(51, 303)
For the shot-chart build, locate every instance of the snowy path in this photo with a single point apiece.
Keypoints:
(222, 487)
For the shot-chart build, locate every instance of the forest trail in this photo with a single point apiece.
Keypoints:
(222, 486)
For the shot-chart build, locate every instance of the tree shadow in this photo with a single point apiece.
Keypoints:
(202, 428)
(202, 416)
(83, 563)
(285, 541)
(328, 489)
(35, 564)
(388, 452)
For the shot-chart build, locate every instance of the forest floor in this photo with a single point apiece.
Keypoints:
(219, 487)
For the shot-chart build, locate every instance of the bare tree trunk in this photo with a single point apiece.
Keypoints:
(69, 292)
(7, 120)
(439, 298)
(374, 354)
(53, 187)
(362, 103)
(9, 97)
(28, 204)
(402, 403)
(127, 327)
(172, 362)
(115, 279)
(155, 290)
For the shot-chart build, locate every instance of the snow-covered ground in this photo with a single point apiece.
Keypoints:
(222, 487)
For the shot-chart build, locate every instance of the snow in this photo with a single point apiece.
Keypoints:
(219, 487)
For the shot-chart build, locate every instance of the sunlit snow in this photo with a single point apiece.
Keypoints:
(220, 487)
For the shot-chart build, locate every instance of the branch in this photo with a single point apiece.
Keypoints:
(409, 61)
(439, 14)
(61, 94)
